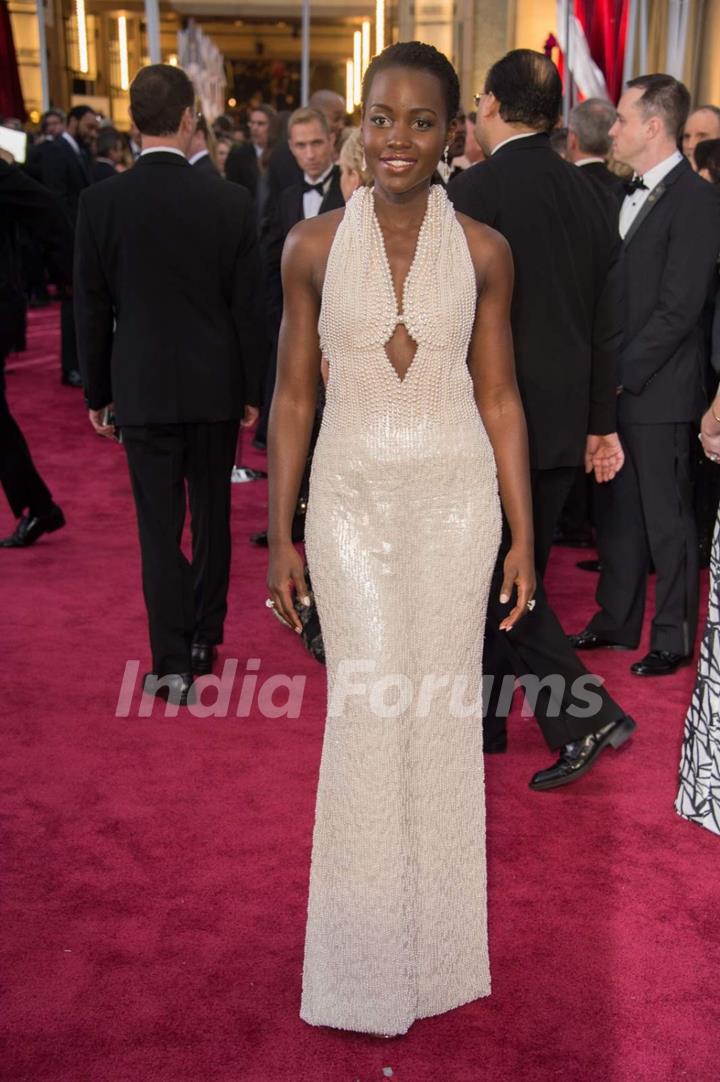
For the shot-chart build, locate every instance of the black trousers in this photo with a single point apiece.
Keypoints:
(647, 512)
(537, 646)
(21, 482)
(68, 342)
(185, 600)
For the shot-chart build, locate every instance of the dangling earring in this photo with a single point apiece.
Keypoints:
(444, 165)
(363, 163)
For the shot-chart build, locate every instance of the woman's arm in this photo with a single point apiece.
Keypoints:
(492, 367)
(292, 412)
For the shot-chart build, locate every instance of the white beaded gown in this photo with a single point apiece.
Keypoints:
(402, 532)
(698, 797)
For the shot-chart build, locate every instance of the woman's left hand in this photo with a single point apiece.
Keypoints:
(518, 572)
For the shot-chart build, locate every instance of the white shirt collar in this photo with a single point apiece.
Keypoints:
(200, 154)
(320, 180)
(522, 135)
(73, 142)
(162, 150)
(658, 172)
(590, 161)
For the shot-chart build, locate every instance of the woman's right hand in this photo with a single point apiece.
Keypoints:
(285, 571)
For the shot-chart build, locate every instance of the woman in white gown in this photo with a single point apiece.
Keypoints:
(698, 797)
(422, 432)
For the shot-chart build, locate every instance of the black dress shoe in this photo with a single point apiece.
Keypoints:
(298, 533)
(589, 565)
(202, 658)
(176, 688)
(588, 640)
(71, 378)
(577, 758)
(659, 663)
(30, 527)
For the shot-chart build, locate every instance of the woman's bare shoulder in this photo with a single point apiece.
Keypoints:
(489, 251)
(482, 238)
(312, 238)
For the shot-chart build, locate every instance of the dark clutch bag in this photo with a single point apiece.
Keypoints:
(311, 632)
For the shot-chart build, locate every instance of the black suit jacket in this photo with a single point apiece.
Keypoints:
(282, 214)
(603, 176)
(242, 167)
(24, 202)
(102, 171)
(205, 165)
(166, 269)
(668, 261)
(565, 309)
(282, 170)
(66, 173)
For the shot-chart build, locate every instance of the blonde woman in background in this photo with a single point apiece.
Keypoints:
(353, 173)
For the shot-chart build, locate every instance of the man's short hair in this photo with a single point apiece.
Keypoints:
(306, 115)
(46, 116)
(528, 87)
(665, 97)
(79, 111)
(108, 139)
(591, 121)
(159, 95)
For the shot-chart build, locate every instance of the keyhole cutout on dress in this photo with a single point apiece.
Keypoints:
(400, 349)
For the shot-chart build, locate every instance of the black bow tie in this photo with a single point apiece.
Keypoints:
(319, 187)
(635, 185)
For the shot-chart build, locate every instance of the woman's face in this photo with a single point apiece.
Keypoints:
(404, 128)
(259, 128)
(349, 180)
(221, 153)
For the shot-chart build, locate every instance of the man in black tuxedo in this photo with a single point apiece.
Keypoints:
(566, 328)
(66, 169)
(199, 153)
(317, 190)
(587, 147)
(588, 143)
(109, 152)
(166, 269)
(670, 225)
(24, 201)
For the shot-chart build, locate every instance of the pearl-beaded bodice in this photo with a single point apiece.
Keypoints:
(367, 401)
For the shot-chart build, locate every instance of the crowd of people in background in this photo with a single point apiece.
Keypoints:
(296, 166)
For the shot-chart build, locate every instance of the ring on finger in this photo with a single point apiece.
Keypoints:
(531, 604)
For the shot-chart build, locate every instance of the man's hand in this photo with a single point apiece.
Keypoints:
(710, 435)
(97, 420)
(250, 416)
(604, 456)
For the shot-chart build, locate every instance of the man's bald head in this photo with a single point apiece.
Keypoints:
(332, 105)
(702, 124)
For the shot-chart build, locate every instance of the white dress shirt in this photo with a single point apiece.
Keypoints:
(633, 203)
(71, 141)
(200, 154)
(522, 135)
(312, 201)
(162, 150)
(590, 161)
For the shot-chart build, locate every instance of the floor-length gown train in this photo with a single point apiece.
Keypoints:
(402, 532)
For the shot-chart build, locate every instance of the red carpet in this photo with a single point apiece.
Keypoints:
(155, 869)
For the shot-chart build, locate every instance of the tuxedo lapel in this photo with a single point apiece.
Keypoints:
(654, 198)
(333, 199)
